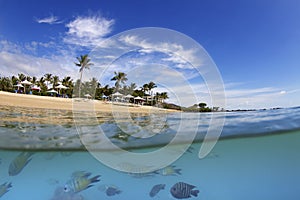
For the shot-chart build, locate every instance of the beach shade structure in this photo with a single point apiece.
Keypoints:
(25, 82)
(52, 91)
(35, 87)
(87, 96)
(117, 94)
(60, 86)
(138, 99)
(128, 97)
(19, 85)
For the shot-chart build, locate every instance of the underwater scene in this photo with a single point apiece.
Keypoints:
(44, 155)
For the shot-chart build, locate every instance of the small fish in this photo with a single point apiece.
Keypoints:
(80, 182)
(156, 188)
(170, 171)
(19, 163)
(60, 194)
(4, 188)
(112, 190)
(183, 190)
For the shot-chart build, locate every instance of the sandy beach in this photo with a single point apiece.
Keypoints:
(34, 101)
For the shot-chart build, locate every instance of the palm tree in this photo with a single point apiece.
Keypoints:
(164, 95)
(68, 82)
(21, 76)
(107, 91)
(48, 79)
(55, 81)
(120, 77)
(6, 84)
(145, 88)
(34, 80)
(131, 88)
(84, 62)
(161, 96)
(151, 85)
(41, 84)
(14, 80)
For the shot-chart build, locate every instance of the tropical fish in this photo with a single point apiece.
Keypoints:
(79, 182)
(19, 163)
(112, 190)
(60, 194)
(170, 171)
(183, 190)
(156, 188)
(4, 188)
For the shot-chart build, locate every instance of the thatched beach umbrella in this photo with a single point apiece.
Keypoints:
(52, 91)
(25, 82)
(35, 87)
(60, 86)
(139, 99)
(19, 85)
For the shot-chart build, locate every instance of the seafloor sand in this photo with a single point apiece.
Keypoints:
(33, 101)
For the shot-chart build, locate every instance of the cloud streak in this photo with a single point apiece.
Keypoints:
(88, 31)
(49, 20)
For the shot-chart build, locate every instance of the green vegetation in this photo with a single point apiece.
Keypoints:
(94, 88)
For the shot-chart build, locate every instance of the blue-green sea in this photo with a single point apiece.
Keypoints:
(256, 157)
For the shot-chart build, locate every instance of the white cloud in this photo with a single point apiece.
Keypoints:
(177, 53)
(15, 63)
(49, 20)
(88, 31)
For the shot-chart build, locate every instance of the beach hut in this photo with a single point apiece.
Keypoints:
(52, 92)
(139, 100)
(19, 85)
(128, 97)
(117, 96)
(60, 87)
(25, 82)
(35, 87)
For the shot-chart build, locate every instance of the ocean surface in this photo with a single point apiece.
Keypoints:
(43, 152)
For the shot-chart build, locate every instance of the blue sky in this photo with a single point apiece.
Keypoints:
(255, 44)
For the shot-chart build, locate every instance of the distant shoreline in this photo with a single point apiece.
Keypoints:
(44, 102)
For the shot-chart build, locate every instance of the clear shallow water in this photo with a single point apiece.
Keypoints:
(265, 166)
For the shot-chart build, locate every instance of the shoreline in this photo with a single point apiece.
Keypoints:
(45, 102)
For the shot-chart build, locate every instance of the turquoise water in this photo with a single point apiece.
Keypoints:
(256, 157)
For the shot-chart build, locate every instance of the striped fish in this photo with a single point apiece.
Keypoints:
(156, 188)
(80, 182)
(19, 163)
(183, 190)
